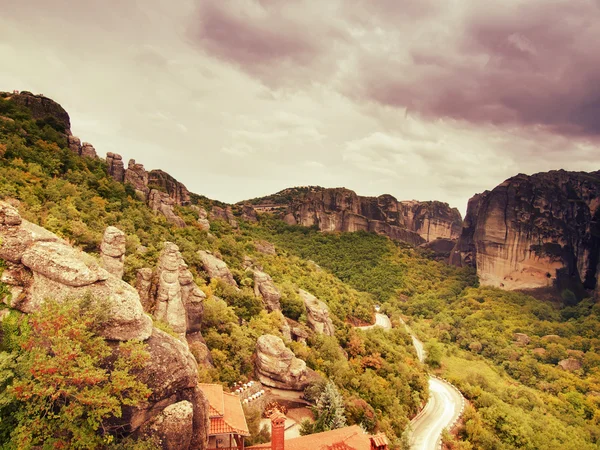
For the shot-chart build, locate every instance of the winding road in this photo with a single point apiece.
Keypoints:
(444, 407)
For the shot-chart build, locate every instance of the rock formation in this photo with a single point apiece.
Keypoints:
(224, 214)
(85, 149)
(317, 314)
(535, 231)
(41, 266)
(116, 169)
(42, 108)
(137, 176)
(169, 302)
(161, 202)
(216, 268)
(202, 217)
(249, 214)
(276, 365)
(170, 294)
(341, 209)
(166, 183)
(112, 251)
(172, 427)
(570, 364)
(172, 375)
(265, 288)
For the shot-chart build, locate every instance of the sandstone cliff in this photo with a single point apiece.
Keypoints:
(341, 209)
(535, 231)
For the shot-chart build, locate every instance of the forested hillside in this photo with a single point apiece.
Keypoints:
(382, 383)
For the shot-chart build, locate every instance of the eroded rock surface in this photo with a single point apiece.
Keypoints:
(570, 364)
(161, 202)
(224, 214)
(44, 266)
(216, 268)
(341, 209)
(173, 188)
(317, 314)
(202, 218)
(265, 247)
(116, 168)
(170, 294)
(276, 365)
(265, 288)
(172, 427)
(535, 231)
(112, 251)
(42, 108)
(137, 176)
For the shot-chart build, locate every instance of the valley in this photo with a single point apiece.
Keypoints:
(202, 293)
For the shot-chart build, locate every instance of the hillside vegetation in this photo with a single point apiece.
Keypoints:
(378, 374)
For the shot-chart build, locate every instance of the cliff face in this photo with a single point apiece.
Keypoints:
(535, 231)
(341, 209)
(42, 108)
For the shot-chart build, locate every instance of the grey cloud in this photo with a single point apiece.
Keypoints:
(527, 62)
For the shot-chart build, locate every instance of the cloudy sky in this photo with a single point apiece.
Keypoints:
(423, 99)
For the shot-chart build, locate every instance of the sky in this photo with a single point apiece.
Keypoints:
(421, 99)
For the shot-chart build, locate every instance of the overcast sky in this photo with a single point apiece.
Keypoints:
(421, 99)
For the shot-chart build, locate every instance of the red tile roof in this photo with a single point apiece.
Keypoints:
(225, 411)
(214, 395)
(347, 438)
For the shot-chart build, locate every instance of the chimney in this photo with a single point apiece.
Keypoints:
(277, 431)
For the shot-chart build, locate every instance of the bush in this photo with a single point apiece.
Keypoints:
(65, 381)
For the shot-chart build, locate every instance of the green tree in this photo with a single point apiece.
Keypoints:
(329, 411)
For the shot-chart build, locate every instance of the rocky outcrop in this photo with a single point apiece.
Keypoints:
(265, 288)
(164, 182)
(341, 209)
(535, 231)
(170, 294)
(172, 427)
(143, 284)
(521, 338)
(570, 364)
(317, 314)
(86, 149)
(276, 365)
(42, 108)
(169, 302)
(116, 169)
(216, 268)
(137, 176)
(172, 376)
(159, 189)
(224, 214)
(265, 247)
(160, 202)
(203, 222)
(112, 251)
(42, 266)
(249, 214)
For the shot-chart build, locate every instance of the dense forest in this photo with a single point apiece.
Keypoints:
(500, 348)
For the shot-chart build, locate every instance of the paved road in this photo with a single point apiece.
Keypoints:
(442, 409)
(381, 320)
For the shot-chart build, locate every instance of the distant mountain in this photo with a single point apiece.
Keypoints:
(340, 209)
